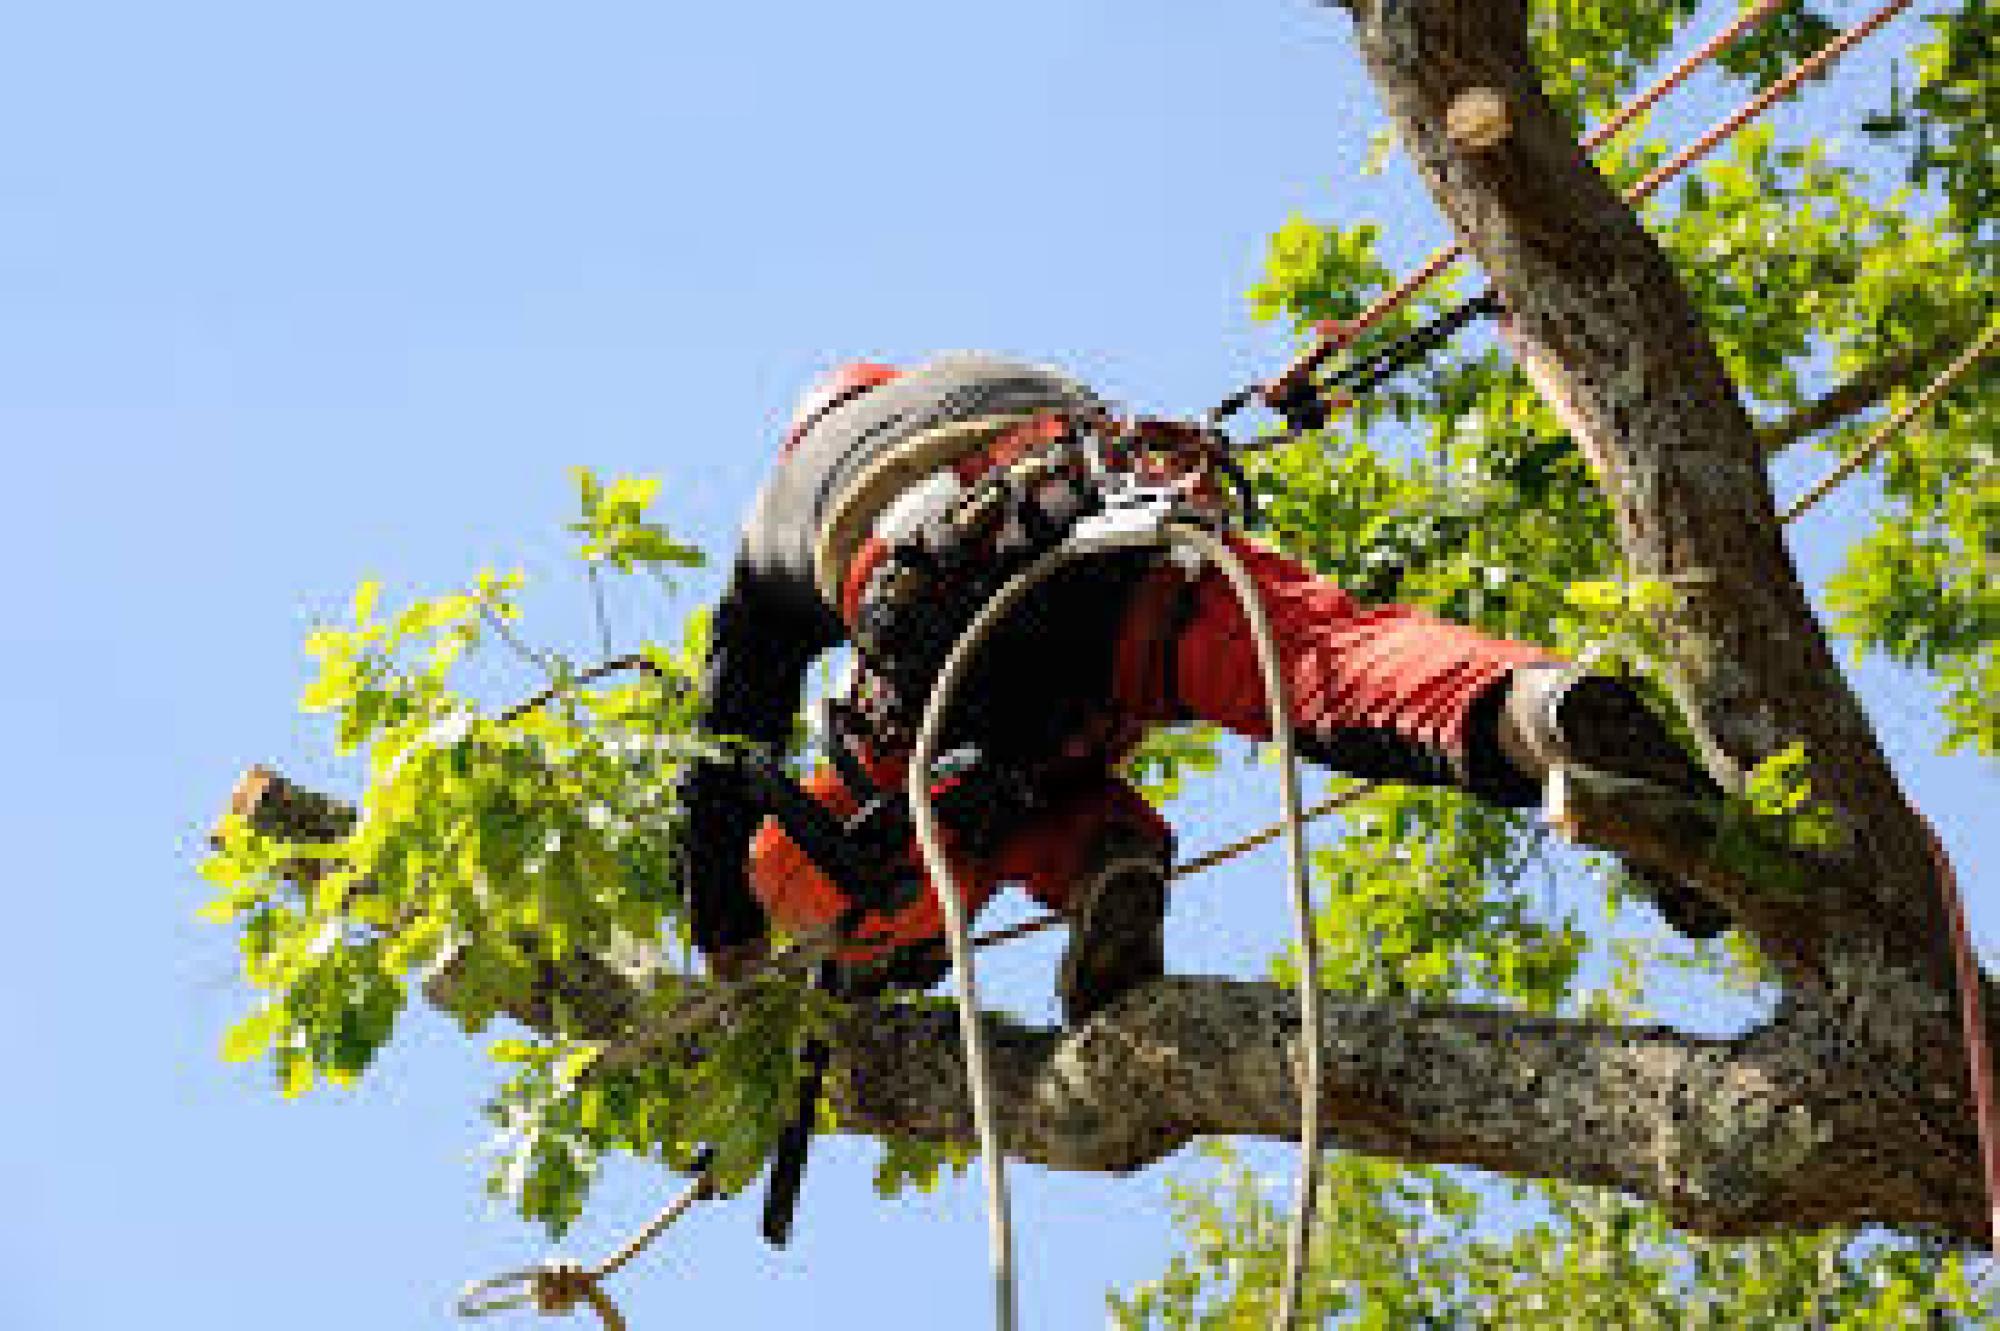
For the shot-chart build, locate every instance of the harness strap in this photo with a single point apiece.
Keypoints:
(856, 510)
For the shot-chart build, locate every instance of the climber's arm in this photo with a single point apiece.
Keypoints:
(760, 646)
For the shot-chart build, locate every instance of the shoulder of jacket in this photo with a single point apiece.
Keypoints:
(998, 363)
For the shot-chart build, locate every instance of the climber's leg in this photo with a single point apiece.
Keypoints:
(1101, 856)
(1391, 693)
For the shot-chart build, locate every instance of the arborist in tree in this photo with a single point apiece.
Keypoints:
(902, 499)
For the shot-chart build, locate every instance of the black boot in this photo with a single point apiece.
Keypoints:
(1598, 723)
(1117, 918)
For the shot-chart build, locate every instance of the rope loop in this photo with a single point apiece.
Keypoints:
(552, 1289)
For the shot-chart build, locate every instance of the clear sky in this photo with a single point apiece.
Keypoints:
(290, 295)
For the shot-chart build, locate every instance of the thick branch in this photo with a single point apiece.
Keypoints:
(1731, 1136)
(1792, 1125)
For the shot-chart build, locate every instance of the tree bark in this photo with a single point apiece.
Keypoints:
(1732, 1137)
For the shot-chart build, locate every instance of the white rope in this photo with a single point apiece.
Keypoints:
(937, 868)
(1000, 1232)
(1298, 1242)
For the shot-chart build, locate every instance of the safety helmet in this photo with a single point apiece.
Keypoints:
(841, 384)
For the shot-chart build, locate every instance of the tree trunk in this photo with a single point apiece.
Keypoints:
(1608, 333)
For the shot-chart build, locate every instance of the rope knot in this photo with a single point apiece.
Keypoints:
(560, 1286)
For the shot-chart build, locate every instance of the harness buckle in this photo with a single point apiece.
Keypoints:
(1137, 513)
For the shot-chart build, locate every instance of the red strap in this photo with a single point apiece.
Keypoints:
(1012, 446)
(859, 569)
(1004, 451)
(1978, 1055)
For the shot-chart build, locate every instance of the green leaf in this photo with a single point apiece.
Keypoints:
(362, 608)
(251, 1036)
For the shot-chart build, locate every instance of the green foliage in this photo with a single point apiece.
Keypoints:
(1923, 587)
(1420, 898)
(1589, 54)
(488, 850)
(1313, 272)
(615, 528)
(1779, 791)
(1775, 826)
(1946, 127)
(562, 1109)
(1164, 760)
(907, 1163)
(1414, 1247)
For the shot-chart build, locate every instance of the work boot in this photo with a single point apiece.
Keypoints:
(1117, 917)
(1554, 717)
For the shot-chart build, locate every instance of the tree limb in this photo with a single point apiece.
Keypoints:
(1730, 1136)
(1786, 1126)
(1863, 391)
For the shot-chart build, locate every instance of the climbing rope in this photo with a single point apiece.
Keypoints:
(1296, 380)
(558, 1287)
(1152, 531)
(1727, 127)
(1312, 1078)
(1263, 836)
(1920, 404)
(1972, 1021)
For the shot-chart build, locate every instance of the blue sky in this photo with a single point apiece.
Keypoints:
(293, 295)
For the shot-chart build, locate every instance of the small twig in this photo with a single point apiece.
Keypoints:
(1861, 392)
(1512, 874)
(630, 661)
(597, 607)
(506, 634)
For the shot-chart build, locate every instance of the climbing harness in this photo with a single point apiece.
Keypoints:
(1297, 396)
(940, 552)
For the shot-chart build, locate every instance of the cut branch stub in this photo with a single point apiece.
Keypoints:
(1477, 119)
(275, 807)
